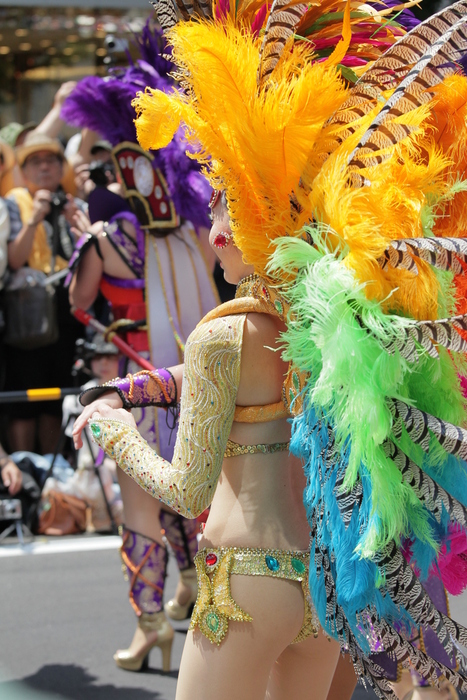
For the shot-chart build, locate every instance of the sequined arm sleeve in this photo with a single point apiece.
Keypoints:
(157, 388)
(210, 384)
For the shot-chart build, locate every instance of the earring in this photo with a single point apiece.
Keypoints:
(223, 239)
(214, 198)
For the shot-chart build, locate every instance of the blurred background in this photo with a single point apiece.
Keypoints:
(43, 44)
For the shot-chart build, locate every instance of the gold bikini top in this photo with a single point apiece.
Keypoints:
(258, 414)
(211, 379)
(261, 414)
(253, 295)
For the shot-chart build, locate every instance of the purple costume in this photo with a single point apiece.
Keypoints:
(170, 288)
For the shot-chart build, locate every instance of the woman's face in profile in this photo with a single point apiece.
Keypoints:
(221, 241)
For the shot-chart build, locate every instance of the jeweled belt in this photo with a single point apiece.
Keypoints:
(215, 606)
(233, 449)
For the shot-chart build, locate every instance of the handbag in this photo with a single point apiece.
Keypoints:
(30, 307)
(62, 514)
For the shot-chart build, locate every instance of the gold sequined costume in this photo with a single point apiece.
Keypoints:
(215, 605)
(210, 384)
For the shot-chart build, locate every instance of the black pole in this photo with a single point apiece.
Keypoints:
(29, 395)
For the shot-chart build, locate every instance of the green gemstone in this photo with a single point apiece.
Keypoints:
(278, 306)
(298, 565)
(96, 429)
(212, 622)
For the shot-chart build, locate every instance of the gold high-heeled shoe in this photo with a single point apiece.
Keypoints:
(149, 622)
(174, 609)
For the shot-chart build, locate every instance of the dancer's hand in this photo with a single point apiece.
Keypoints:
(121, 414)
(109, 400)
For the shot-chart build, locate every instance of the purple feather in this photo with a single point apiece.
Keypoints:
(405, 18)
(104, 105)
(153, 49)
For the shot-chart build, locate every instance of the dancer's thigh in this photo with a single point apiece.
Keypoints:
(240, 666)
(344, 680)
(141, 510)
(304, 670)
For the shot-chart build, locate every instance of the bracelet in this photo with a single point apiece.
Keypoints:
(32, 223)
(4, 461)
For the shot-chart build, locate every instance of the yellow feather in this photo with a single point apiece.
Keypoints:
(367, 219)
(448, 121)
(254, 146)
(341, 49)
(262, 147)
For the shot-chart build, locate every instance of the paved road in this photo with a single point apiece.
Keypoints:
(63, 614)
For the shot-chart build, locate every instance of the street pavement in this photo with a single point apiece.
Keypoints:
(64, 612)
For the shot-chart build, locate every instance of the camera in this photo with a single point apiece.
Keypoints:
(115, 45)
(10, 509)
(99, 173)
(57, 202)
(84, 350)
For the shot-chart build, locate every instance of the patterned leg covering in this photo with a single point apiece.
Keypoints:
(428, 640)
(182, 537)
(145, 566)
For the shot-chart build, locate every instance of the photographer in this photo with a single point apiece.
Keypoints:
(99, 171)
(33, 207)
(40, 238)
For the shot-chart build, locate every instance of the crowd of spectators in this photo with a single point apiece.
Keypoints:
(44, 186)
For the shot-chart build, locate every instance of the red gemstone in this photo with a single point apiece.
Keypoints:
(220, 241)
(211, 559)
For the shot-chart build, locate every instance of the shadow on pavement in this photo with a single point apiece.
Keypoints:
(159, 672)
(71, 682)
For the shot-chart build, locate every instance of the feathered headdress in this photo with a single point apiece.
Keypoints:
(251, 125)
(327, 119)
(104, 105)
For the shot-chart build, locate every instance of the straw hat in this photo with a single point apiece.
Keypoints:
(33, 143)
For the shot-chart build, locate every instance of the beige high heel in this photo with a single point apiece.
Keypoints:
(155, 622)
(173, 608)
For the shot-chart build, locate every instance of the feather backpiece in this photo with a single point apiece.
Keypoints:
(373, 324)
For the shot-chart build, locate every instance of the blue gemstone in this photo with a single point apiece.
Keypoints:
(272, 563)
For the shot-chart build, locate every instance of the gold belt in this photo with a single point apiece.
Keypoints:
(233, 449)
(215, 606)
